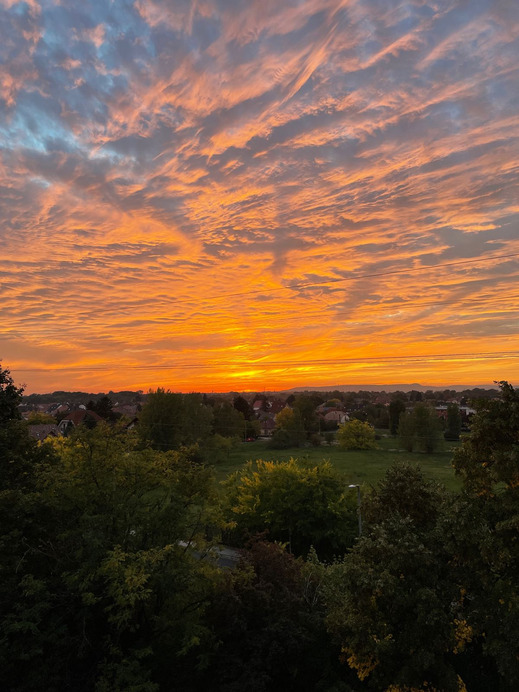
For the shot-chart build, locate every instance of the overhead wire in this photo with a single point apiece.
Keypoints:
(284, 363)
(295, 363)
(335, 280)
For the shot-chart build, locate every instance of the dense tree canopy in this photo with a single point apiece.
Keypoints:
(396, 409)
(290, 429)
(356, 434)
(490, 455)
(267, 617)
(391, 603)
(108, 582)
(228, 421)
(298, 504)
(10, 398)
(169, 420)
(419, 430)
(107, 575)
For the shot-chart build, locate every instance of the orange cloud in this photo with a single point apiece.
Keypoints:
(272, 195)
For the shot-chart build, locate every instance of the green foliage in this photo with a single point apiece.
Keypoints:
(396, 409)
(296, 503)
(419, 430)
(281, 439)
(218, 448)
(267, 617)
(290, 431)
(404, 493)
(306, 405)
(18, 452)
(104, 408)
(242, 405)
(377, 416)
(453, 423)
(252, 428)
(316, 440)
(170, 420)
(228, 421)
(106, 579)
(39, 418)
(428, 597)
(490, 455)
(329, 438)
(355, 434)
(389, 607)
(480, 535)
(106, 573)
(10, 398)
(390, 601)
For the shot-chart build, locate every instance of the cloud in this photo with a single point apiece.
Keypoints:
(168, 170)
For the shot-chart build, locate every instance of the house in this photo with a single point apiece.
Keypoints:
(80, 416)
(129, 410)
(336, 416)
(258, 405)
(267, 425)
(466, 412)
(43, 430)
(276, 405)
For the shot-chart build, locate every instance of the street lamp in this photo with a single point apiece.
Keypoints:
(358, 507)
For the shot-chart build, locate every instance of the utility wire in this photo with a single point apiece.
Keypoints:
(369, 276)
(293, 363)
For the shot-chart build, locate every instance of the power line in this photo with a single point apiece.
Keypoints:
(369, 276)
(294, 363)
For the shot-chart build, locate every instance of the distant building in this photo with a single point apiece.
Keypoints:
(336, 416)
(80, 416)
(43, 430)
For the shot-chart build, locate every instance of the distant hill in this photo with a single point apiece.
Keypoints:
(129, 397)
(389, 388)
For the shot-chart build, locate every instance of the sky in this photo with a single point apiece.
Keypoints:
(233, 195)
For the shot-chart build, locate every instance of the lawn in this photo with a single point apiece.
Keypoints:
(363, 467)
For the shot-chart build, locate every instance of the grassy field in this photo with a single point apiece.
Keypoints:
(363, 467)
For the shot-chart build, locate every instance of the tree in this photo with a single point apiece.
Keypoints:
(268, 621)
(481, 534)
(306, 406)
(377, 415)
(355, 434)
(480, 537)
(490, 454)
(17, 450)
(296, 503)
(10, 398)
(104, 408)
(241, 404)
(391, 603)
(289, 430)
(419, 430)
(453, 426)
(108, 579)
(396, 409)
(170, 420)
(228, 421)
(405, 493)
(252, 428)
(39, 418)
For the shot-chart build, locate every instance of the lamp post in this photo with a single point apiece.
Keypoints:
(358, 507)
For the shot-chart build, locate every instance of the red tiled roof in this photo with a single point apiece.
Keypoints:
(43, 430)
(78, 416)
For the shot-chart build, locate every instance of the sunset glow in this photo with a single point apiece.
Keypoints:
(252, 195)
